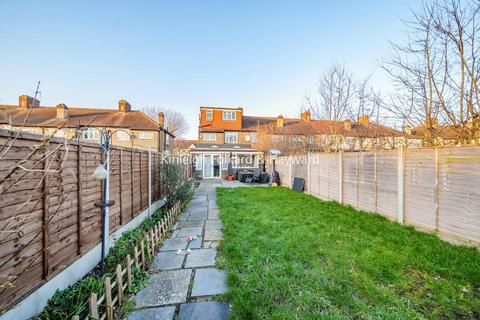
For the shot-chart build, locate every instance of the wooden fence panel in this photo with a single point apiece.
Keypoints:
(439, 186)
(49, 220)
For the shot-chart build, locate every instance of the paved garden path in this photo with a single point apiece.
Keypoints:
(184, 285)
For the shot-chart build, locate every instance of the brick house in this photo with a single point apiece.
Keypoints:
(132, 127)
(229, 141)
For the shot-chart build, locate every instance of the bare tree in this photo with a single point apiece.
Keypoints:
(436, 71)
(175, 122)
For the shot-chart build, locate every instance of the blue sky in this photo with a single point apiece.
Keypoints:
(262, 55)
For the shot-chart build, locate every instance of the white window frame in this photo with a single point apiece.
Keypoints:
(231, 134)
(229, 115)
(91, 134)
(277, 138)
(296, 139)
(145, 135)
(122, 136)
(207, 136)
(253, 137)
(209, 114)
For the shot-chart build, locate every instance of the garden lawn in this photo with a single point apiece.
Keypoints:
(293, 256)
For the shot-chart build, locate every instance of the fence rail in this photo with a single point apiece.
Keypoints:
(47, 213)
(431, 189)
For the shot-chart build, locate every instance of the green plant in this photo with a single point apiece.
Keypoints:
(127, 306)
(171, 178)
(140, 279)
(72, 301)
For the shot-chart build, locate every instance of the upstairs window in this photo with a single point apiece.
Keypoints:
(209, 137)
(209, 114)
(122, 136)
(229, 115)
(276, 138)
(145, 135)
(91, 134)
(231, 137)
(253, 137)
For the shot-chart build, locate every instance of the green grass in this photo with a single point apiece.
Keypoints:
(292, 256)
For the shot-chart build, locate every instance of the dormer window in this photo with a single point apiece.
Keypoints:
(229, 115)
(209, 115)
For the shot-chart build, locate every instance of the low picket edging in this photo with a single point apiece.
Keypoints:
(115, 291)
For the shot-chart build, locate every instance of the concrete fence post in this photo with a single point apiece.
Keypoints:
(308, 173)
(290, 171)
(437, 191)
(149, 182)
(401, 185)
(340, 177)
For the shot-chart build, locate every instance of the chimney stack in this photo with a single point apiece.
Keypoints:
(124, 106)
(363, 119)
(306, 116)
(161, 119)
(347, 125)
(62, 111)
(408, 129)
(279, 121)
(28, 102)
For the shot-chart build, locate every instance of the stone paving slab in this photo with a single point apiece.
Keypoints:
(166, 287)
(198, 215)
(168, 260)
(184, 215)
(174, 244)
(213, 214)
(201, 258)
(184, 224)
(213, 225)
(208, 310)
(209, 282)
(162, 313)
(210, 244)
(196, 243)
(189, 231)
(213, 235)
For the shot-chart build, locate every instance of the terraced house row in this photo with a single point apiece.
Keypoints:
(131, 128)
(229, 141)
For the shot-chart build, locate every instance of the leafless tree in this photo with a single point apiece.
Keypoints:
(436, 71)
(175, 121)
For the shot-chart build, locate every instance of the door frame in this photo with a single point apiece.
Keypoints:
(212, 156)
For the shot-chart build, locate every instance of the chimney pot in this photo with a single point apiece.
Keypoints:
(161, 119)
(62, 111)
(306, 116)
(363, 119)
(279, 121)
(124, 106)
(347, 125)
(28, 102)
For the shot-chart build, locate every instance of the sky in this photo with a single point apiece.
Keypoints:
(261, 55)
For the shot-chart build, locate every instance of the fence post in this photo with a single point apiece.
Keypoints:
(121, 185)
(149, 182)
(142, 253)
(129, 271)
(437, 191)
(118, 274)
(400, 185)
(340, 176)
(375, 178)
(290, 171)
(92, 306)
(108, 298)
(135, 257)
(132, 194)
(45, 217)
(79, 198)
(308, 173)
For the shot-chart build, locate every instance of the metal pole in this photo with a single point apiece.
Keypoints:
(105, 199)
(149, 182)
